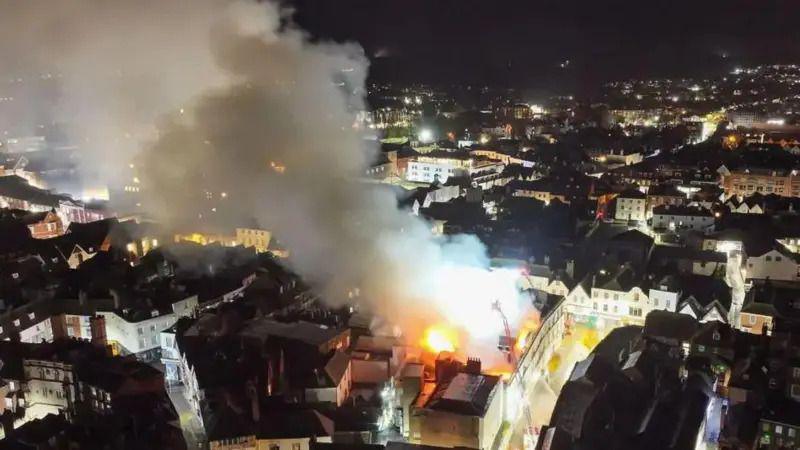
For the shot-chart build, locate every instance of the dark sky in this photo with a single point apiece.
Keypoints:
(521, 43)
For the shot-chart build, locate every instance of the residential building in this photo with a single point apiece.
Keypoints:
(682, 218)
(746, 182)
(631, 205)
(458, 410)
(438, 166)
(774, 263)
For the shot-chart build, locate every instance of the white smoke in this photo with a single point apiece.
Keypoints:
(246, 105)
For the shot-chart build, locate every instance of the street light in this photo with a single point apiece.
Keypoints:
(425, 135)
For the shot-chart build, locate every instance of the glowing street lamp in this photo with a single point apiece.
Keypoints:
(425, 135)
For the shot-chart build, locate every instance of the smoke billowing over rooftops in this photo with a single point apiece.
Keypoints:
(241, 102)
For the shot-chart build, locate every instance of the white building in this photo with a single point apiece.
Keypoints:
(631, 205)
(615, 297)
(777, 263)
(141, 336)
(682, 218)
(50, 387)
(439, 166)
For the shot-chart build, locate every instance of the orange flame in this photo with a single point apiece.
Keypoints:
(439, 338)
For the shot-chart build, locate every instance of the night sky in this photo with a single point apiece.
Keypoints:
(523, 43)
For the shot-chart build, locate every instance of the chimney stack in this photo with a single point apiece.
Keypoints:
(473, 366)
(97, 325)
(447, 367)
(255, 407)
(115, 296)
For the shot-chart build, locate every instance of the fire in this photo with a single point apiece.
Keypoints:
(439, 339)
(526, 331)
(522, 340)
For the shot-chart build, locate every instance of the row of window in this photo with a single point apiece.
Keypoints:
(607, 296)
(779, 429)
(636, 312)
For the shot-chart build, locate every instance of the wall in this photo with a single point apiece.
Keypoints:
(493, 419)
(444, 429)
(662, 300)
(321, 395)
(772, 265)
(754, 323)
(137, 337)
(49, 383)
(630, 209)
(669, 221)
(370, 371)
(41, 332)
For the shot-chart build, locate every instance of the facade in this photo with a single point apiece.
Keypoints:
(17, 193)
(663, 194)
(253, 237)
(439, 166)
(142, 336)
(682, 218)
(775, 264)
(466, 411)
(50, 386)
(631, 205)
(747, 182)
(46, 226)
(757, 318)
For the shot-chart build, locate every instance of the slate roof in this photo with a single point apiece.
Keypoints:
(466, 394)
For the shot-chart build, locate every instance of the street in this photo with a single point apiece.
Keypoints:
(542, 398)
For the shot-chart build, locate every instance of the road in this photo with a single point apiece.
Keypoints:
(542, 398)
(193, 432)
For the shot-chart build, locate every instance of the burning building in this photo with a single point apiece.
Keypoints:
(459, 407)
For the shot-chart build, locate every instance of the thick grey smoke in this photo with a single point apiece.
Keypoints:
(104, 71)
(253, 116)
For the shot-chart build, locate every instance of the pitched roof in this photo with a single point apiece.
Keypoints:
(466, 394)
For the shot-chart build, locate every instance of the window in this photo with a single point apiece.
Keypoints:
(778, 429)
(796, 372)
(274, 447)
(778, 259)
(594, 306)
(768, 258)
(605, 308)
(791, 432)
(296, 446)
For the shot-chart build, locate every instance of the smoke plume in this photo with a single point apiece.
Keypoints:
(253, 120)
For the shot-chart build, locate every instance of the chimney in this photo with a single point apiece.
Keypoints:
(97, 325)
(115, 296)
(473, 366)
(571, 268)
(255, 407)
(59, 325)
(446, 367)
